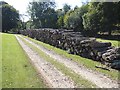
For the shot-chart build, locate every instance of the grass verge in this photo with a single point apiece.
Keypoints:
(17, 70)
(114, 42)
(0, 60)
(80, 60)
(79, 81)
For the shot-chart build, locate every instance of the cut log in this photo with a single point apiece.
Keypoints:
(76, 43)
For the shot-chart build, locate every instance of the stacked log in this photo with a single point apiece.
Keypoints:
(75, 43)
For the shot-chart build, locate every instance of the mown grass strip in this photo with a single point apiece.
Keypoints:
(80, 60)
(17, 71)
(115, 43)
(80, 82)
(0, 60)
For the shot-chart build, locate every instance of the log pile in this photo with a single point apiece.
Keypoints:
(75, 43)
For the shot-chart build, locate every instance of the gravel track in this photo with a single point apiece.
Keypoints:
(96, 78)
(53, 76)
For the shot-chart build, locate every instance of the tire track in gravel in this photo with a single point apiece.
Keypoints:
(53, 77)
(98, 79)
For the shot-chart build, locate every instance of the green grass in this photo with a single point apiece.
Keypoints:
(17, 71)
(80, 60)
(79, 81)
(114, 42)
(0, 60)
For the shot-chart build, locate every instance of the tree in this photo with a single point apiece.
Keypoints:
(60, 17)
(67, 20)
(77, 20)
(73, 19)
(66, 8)
(10, 17)
(29, 25)
(101, 17)
(60, 22)
(110, 17)
(43, 14)
(91, 20)
(60, 12)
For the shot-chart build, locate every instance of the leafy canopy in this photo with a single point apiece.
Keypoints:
(10, 16)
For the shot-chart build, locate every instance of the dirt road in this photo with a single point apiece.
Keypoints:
(53, 77)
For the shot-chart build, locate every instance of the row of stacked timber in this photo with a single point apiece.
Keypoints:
(75, 43)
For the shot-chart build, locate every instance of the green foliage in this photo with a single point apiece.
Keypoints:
(73, 19)
(60, 22)
(10, 17)
(90, 18)
(66, 8)
(29, 24)
(60, 12)
(101, 16)
(42, 14)
(66, 19)
(60, 18)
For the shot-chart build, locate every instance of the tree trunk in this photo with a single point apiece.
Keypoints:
(109, 32)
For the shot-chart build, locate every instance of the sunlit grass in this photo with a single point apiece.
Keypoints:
(115, 43)
(17, 71)
(0, 60)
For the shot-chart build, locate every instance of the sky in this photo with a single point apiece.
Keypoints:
(21, 5)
